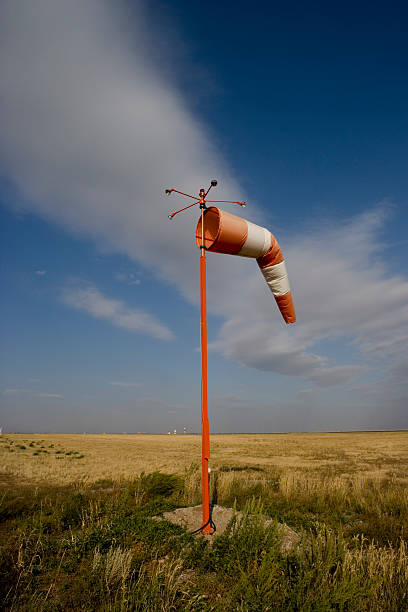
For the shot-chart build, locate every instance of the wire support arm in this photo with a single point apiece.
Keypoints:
(243, 204)
(170, 191)
(181, 209)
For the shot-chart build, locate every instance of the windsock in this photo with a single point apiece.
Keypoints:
(227, 233)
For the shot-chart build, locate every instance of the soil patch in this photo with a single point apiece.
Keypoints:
(191, 518)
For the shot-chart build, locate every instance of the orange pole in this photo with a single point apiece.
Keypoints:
(205, 430)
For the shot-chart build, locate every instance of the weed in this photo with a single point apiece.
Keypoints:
(158, 484)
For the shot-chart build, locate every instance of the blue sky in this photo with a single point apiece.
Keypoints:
(298, 109)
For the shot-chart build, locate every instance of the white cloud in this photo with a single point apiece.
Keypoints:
(40, 272)
(92, 133)
(49, 395)
(124, 384)
(128, 279)
(15, 391)
(89, 299)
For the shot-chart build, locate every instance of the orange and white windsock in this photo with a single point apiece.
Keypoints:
(227, 233)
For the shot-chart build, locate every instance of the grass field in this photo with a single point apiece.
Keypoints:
(70, 458)
(77, 533)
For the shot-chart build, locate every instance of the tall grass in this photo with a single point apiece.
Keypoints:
(374, 507)
(87, 540)
(97, 547)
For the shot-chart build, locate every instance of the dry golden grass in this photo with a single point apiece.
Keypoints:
(346, 495)
(336, 456)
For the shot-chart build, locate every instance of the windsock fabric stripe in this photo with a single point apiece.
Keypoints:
(272, 256)
(273, 268)
(257, 242)
(227, 233)
(285, 305)
(277, 278)
(223, 232)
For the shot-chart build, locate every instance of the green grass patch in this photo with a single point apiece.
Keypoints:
(98, 548)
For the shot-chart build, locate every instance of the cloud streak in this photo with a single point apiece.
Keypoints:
(124, 384)
(18, 391)
(49, 395)
(128, 279)
(90, 300)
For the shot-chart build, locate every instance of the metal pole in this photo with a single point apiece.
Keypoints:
(207, 524)
(205, 431)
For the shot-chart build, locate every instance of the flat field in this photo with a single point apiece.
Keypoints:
(77, 527)
(71, 458)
